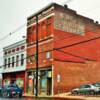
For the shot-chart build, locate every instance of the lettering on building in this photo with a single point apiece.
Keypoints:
(69, 23)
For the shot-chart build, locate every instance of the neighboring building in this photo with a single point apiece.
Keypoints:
(69, 50)
(15, 64)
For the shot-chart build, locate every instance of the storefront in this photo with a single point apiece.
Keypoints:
(30, 83)
(17, 78)
(44, 82)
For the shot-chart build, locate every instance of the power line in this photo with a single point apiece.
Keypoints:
(68, 61)
(78, 43)
(73, 45)
(85, 58)
(61, 48)
(14, 31)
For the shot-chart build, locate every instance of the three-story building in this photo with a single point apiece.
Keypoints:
(69, 46)
(14, 64)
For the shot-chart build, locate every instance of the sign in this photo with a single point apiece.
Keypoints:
(69, 23)
(58, 78)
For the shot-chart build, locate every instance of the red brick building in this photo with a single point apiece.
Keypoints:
(69, 50)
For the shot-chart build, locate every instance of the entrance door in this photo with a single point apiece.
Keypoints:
(49, 86)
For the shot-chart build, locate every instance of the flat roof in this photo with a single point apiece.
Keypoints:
(44, 8)
(14, 44)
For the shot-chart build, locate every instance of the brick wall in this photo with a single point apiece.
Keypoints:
(75, 74)
(43, 48)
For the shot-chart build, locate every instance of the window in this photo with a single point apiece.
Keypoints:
(22, 59)
(49, 27)
(13, 50)
(17, 49)
(34, 33)
(5, 63)
(13, 63)
(8, 62)
(5, 53)
(22, 47)
(48, 55)
(30, 37)
(9, 51)
(17, 60)
(43, 30)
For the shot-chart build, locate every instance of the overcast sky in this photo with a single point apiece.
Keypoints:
(13, 14)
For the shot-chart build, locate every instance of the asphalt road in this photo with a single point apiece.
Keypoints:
(87, 98)
(24, 99)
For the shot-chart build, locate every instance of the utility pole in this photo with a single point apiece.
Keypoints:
(36, 94)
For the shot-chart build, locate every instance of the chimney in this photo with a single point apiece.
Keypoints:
(97, 22)
(65, 6)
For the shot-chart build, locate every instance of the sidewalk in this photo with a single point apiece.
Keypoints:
(63, 96)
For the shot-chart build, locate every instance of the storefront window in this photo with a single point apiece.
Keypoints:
(43, 84)
(6, 82)
(19, 82)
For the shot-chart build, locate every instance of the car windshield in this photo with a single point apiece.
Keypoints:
(96, 84)
(12, 85)
(85, 86)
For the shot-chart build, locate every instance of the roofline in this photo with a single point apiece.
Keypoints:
(13, 45)
(44, 8)
(55, 4)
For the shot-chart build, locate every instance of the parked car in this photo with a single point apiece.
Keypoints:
(97, 84)
(1, 87)
(86, 89)
(12, 91)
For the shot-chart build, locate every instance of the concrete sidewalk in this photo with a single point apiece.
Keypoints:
(62, 96)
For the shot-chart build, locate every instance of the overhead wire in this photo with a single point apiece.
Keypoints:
(73, 45)
(54, 40)
(66, 52)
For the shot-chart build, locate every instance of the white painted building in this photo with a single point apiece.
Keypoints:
(14, 63)
(13, 55)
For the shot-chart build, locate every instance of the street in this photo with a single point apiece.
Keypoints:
(22, 99)
(29, 98)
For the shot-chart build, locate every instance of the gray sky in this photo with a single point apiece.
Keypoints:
(13, 14)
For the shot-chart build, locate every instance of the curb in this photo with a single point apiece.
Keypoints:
(56, 97)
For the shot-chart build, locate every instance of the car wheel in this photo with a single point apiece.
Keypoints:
(92, 93)
(20, 95)
(75, 93)
(14, 95)
(5, 94)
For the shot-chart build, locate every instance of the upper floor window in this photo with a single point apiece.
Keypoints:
(13, 50)
(48, 55)
(17, 60)
(33, 33)
(5, 53)
(9, 51)
(5, 63)
(49, 27)
(22, 47)
(29, 33)
(13, 63)
(17, 49)
(22, 59)
(9, 62)
(43, 30)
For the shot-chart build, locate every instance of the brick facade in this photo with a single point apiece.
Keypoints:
(75, 49)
